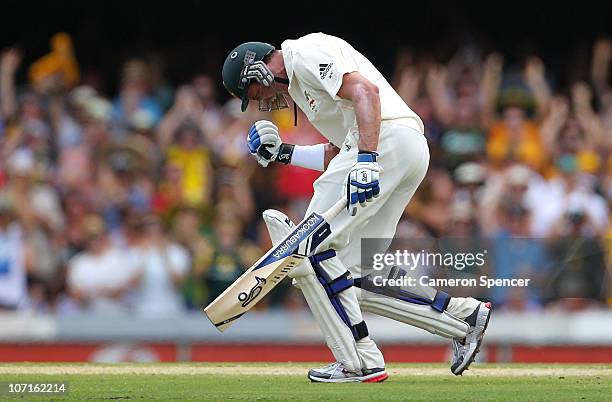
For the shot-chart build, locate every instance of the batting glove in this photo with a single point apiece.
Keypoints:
(265, 144)
(362, 184)
(263, 141)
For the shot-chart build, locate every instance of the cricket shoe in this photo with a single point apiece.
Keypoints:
(465, 350)
(336, 372)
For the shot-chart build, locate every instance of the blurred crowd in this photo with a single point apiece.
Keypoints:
(146, 201)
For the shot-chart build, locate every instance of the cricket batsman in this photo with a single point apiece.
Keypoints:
(376, 157)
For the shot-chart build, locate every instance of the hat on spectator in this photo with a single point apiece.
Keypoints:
(516, 96)
(134, 154)
(518, 175)
(80, 95)
(469, 173)
(99, 109)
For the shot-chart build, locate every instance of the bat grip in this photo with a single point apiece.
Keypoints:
(334, 210)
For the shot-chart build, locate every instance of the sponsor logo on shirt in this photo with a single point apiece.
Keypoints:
(312, 103)
(324, 69)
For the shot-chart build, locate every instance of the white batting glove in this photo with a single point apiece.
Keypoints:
(264, 142)
(362, 184)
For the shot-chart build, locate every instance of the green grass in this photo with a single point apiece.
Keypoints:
(287, 382)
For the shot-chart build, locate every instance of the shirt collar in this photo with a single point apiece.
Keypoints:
(288, 59)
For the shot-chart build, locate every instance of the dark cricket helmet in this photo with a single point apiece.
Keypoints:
(234, 68)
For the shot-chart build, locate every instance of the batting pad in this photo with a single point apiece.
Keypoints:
(421, 316)
(338, 336)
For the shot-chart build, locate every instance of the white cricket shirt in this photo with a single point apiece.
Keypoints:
(315, 65)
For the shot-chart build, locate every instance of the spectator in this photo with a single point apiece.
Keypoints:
(135, 105)
(571, 190)
(100, 277)
(462, 98)
(409, 82)
(212, 117)
(463, 223)
(515, 255)
(186, 110)
(37, 205)
(515, 152)
(76, 207)
(516, 184)
(470, 178)
(13, 260)
(188, 231)
(231, 255)
(515, 137)
(573, 138)
(193, 159)
(431, 205)
(10, 59)
(579, 260)
(163, 266)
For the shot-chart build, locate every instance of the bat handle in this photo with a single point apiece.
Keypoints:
(334, 210)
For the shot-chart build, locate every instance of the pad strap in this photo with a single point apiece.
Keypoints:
(333, 287)
(322, 256)
(339, 284)
(360, 330)
(441, 301)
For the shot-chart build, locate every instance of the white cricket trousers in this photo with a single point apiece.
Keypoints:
(404, 158)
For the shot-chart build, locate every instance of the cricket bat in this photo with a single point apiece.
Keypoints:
(270, 269)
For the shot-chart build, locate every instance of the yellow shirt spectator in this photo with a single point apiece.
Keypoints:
(194, 162)
(522, 145)
(196, 171)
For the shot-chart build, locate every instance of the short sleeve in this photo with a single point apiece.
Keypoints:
(78, 280)
(179, 259)
(322, 69)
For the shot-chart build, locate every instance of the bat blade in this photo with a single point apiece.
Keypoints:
(247, 290)
(267, 272)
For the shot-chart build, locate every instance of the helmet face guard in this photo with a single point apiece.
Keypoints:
(259, 71)
(276, 102)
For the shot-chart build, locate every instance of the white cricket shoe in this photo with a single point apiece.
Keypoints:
(336, 372)
(465, 350)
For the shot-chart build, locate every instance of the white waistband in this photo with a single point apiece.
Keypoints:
(405, 121)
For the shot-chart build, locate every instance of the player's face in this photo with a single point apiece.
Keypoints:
(259, 92)
(268, 97)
